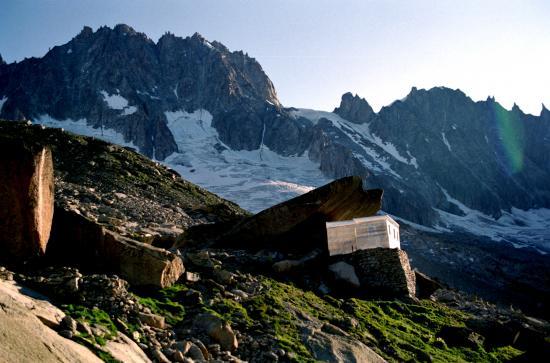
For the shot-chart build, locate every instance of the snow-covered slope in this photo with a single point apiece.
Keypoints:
(254, 179)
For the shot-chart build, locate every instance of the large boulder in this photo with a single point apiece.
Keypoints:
(218, 330)
(25, 337)
(26, 199)
(327, 347)
(82, 242)
(425, 285)
(299, 224)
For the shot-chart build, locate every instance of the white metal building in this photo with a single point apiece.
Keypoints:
(362, 233)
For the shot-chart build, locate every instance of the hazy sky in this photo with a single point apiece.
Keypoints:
(315, 50)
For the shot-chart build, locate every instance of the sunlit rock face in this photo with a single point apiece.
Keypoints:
(26, 199)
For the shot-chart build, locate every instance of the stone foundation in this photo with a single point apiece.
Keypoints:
(383, 272)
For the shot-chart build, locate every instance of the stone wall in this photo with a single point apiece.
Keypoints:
(383, 272)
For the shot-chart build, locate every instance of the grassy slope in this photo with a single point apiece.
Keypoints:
(397, 331)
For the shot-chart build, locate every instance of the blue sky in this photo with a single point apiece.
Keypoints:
(315, 50)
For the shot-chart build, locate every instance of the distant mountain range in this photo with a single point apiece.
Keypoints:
(444, 161)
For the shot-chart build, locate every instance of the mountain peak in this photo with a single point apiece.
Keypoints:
(198, 36)
(85, 32)
(544, 111)
(516, 108)
(124, 29)
(354, 108)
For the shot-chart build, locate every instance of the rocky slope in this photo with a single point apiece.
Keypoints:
(232, 307)
(231, 304)
(120, 188)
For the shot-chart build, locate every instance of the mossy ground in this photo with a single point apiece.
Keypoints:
(167, 302)
(97, 317)
(92, 317)
(398, 331)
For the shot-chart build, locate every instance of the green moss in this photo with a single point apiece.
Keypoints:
(273, 309)
(166, 302)
(504, 354)
(93, 316)
(398, 331)
(98, 317)
(233, 312)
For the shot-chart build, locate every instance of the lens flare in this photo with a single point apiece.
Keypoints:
(511, 135)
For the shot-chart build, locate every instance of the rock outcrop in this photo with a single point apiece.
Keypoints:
(125, 350)
(26, 199)
(326, 347)
(130, 82)
(82, 242)
(300, 222)
(25, 338)
(354, 109)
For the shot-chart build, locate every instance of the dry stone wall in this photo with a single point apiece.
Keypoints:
(383, 272)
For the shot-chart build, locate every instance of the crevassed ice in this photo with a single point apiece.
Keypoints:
(521, 228)
(254, 179)
(359, 133)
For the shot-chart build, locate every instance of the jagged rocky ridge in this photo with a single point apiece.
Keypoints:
(439, 155)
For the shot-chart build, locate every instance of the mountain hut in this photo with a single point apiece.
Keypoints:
(362, 233)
